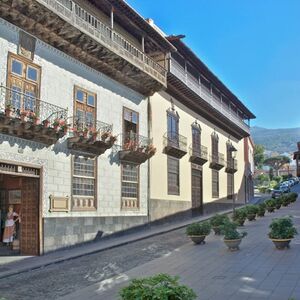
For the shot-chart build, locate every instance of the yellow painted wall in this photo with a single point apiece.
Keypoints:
(159, 104)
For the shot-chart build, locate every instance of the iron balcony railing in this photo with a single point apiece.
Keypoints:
(92, 26)
(175, 140)
(199, 151)
(135, 142)
(217, 159)
(24, 105)
(201, 90)
(231, 164)
(88, 127)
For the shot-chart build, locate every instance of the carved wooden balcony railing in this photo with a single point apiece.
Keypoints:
(136, 148)
(28, 117)
(217, 162)
(198, 155)
(175, 144)
(93, 137)
(231, 166)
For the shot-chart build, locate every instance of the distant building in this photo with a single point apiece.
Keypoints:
(297, 159)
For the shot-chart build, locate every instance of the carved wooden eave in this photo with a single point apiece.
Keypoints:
(45, 24)
(132, 156)
(88, 145)
(29, 131)
(193, 101)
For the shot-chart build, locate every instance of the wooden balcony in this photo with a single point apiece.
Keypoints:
(198, 155)
(92, 138)
(175, 144)
(30, 118)
(231, 166)
(217, 162)
(136, 148)
(70, 28)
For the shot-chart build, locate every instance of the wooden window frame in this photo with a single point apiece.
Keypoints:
(215, 183)
(230, 185)
(171, 189)
(215, 144)
(194, 146)
(123, 119)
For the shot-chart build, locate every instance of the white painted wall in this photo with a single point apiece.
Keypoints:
(59, 75)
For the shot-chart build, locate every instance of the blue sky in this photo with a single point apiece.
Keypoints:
(253, 46)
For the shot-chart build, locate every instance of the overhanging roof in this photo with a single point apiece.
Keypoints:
(189, 55)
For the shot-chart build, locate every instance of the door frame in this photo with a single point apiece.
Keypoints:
(40, 200)
(200, 169)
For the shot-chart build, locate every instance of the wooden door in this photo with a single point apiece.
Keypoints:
(197, 200)
(29, 237)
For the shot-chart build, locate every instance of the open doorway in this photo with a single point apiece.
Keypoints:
(19, 211)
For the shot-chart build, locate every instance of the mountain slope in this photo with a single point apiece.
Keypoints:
(277, 140)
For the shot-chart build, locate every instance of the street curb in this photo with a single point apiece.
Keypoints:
(14, 272)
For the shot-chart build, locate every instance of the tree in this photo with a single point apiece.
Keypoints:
(277, 162)
(259, 156)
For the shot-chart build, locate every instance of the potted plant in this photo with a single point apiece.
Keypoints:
(285, 200)
(282, 232)
(278, 203)
(293, 197)
(261, 209)
(232, 238)
(239, 216)
(270, 205)
(198, 231)
(161, 286)
(251, 211)
(216, 221)
(46, 123)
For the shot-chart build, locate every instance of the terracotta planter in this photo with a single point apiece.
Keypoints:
(233, 245)
(281, 244)
(251, 217)
(278, 206)
(262, 214)
(217, 230)
(240, 222)
(8, 112)
(270, 209)
(285, 204)
(198, 239)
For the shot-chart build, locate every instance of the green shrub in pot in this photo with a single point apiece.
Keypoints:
(239, 216)
(282, 232)
(216, 221)
(270, 205)
(293, 197)
(261, 209)
(251, 211)
(198, 231)
(286, 200)
(161, 286)
(278, 202)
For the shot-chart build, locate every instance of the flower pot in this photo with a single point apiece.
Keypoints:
(198, 239)
(285, 204)
(240, 222)
(270, 209)
(281, 243)
(217, 230)
(278, 206)
(251, 217)
(8, 112)
(233, 245)
(261, 214)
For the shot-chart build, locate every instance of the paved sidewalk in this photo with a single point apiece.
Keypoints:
(257, 271)
(32, 263)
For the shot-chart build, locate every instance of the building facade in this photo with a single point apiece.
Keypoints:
(297, 159)
(198, 127)
(75, 80)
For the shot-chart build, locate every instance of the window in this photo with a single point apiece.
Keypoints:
(215, 184)
(130, 185)
(84, 177)
(23, 79)
(173, 176)
(196, 139)
(215, 144)
(85, 108)
(230, 186)
(26, 45)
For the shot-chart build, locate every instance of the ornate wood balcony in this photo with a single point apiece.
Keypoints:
(30, 118)
(217, 162)
(93, 137)
(72, 29)
(136, 148)
(175, 144)
(231, 166)
(198, 155)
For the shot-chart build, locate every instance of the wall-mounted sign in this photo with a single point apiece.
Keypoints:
(59, 204)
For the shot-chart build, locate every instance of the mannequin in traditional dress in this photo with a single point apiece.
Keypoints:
(9, 229)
